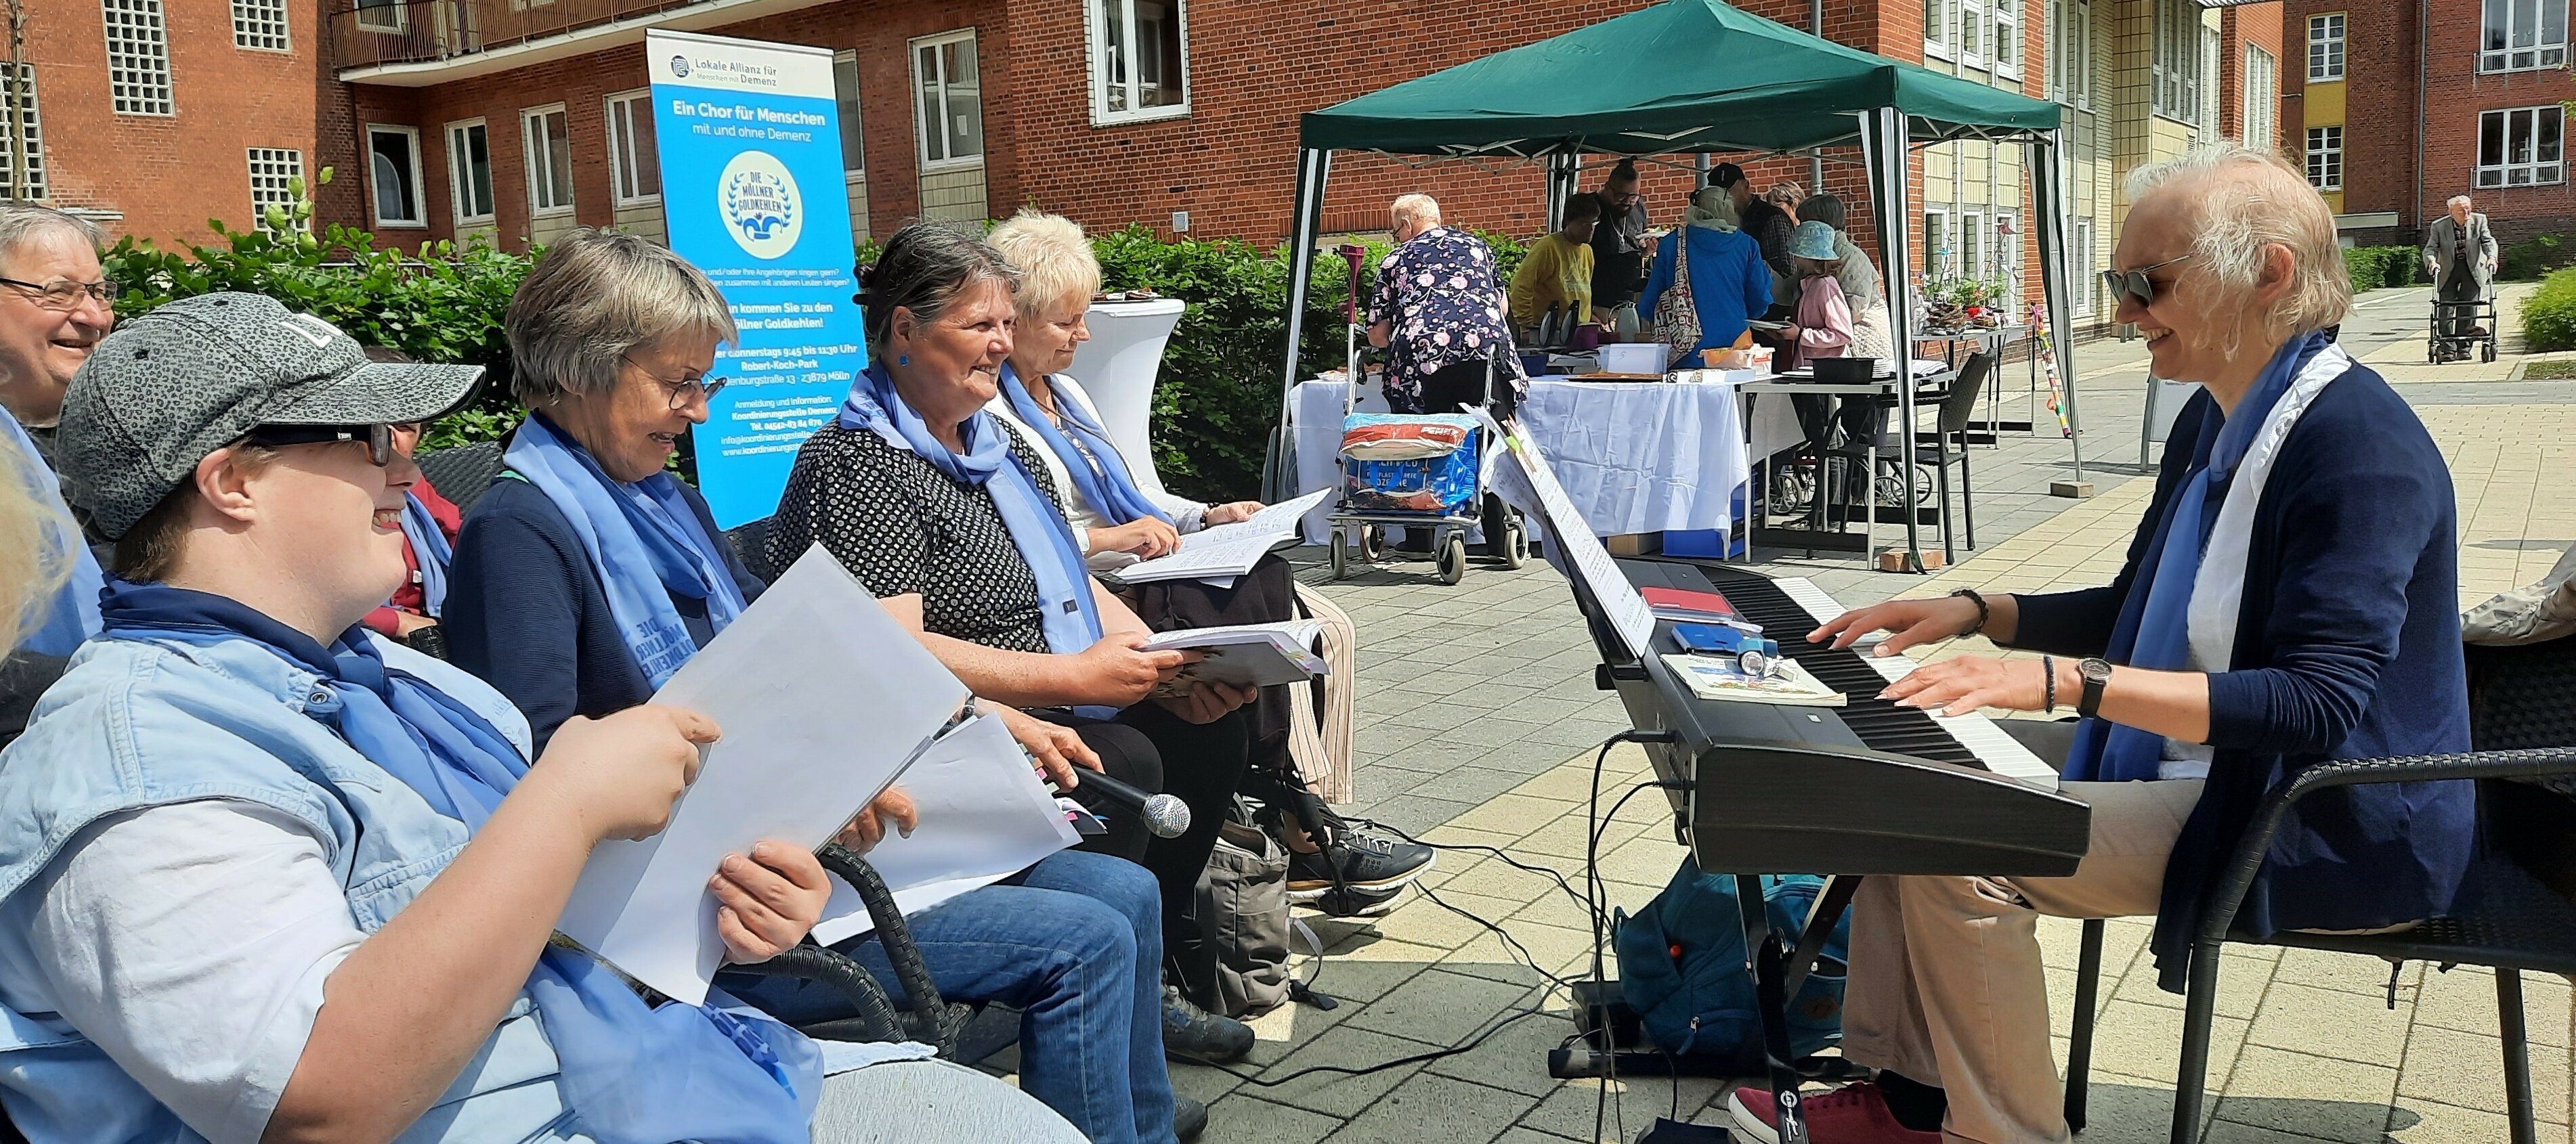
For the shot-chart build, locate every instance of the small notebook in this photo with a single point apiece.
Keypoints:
(1787, 683)
(1687, 605)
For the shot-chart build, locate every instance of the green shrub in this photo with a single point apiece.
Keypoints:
(2372, 267)
(2361, 263)
(2549, 315)
(2532, 257)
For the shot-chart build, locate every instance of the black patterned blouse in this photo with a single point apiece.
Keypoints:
(903, 528)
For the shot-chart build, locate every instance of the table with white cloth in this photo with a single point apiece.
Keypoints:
(1768, 409)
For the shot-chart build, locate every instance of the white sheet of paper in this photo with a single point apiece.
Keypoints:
(1227, 549)
(1626, 609)
(823, 699)
(985, 815)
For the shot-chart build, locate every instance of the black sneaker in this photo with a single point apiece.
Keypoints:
(1189, 1118)
(1189, 1031)
(1354, 902)
(1358, 859)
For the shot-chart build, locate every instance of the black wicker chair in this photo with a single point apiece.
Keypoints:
(462, 473)
(2523, 726)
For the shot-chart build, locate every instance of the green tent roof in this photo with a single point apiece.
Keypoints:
(1682, 76)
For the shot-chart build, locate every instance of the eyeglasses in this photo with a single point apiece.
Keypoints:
(2135, 283)
(379, 438)
(64, 294)
(685, 388)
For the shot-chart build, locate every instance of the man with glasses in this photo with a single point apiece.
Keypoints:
(53, 309)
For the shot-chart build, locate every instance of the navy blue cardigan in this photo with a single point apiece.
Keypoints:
(527, 612)
(2347, 647)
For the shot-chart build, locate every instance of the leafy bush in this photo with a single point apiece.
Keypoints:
(2532, 257)
(2549, 315)
(2372, 267)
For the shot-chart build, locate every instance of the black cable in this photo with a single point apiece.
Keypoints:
(1511, 945)
(1478, 847)
(1363, 1070)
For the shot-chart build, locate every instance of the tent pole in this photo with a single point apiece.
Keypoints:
(1313, 166)
(1891, 161)
(2052, 209)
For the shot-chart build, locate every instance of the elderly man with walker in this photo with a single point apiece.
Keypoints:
(2460, 255)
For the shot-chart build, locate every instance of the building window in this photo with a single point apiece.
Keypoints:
(2070, 53)
(635, 168)
(2079, 259)
(1972, 32)
(2325, 158)
(393, 173)
(1140, 65)
(2261, 125)
(276, 180)
(1936, 245)
(2524, 34)
(260, 24)
(1936, 28)
(2325, 47)
(2521, 147)
(21, 133)
(2007, 41)
(1972, 245)
(381, 15)
(2008, 259)
(948, 102)
(2174, 65)
(845, 93)
(138, 57)
(469, 171)
(546, 150)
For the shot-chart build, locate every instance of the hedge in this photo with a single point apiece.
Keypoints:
(2372, 267)
(2549, 314)
(2532, 257)
(1214, 406)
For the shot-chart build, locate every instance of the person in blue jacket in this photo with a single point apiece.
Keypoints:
(1724, 281)
(2291, 597)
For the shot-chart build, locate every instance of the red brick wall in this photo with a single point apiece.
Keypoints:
(169, 174)
(2454, 95)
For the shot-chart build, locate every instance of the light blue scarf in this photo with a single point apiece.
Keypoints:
(72, 616)
(631, 1073)
(2154, 626)
(1045, 540)
(1099, 471)
(429, 552)
(644, 540)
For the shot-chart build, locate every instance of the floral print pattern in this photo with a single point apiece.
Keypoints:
(1445, 301)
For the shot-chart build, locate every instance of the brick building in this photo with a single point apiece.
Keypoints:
(2456, 99)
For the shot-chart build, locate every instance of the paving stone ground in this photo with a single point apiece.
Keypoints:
(1476, 728)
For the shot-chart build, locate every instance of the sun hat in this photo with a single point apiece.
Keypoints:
(1813, 240)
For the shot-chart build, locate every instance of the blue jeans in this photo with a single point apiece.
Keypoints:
(1076, 944)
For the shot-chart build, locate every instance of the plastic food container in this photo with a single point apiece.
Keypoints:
(1634, 357)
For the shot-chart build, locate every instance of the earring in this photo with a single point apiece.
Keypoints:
(903, 359)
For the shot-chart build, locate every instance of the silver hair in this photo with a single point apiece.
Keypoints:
(2246, 202)
(597, 296)
(922, 269)
(1785, 193)
(1417, 207)
(22, 223)
(2457, 201)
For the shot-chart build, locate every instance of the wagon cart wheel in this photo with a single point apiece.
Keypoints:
(1453, 558)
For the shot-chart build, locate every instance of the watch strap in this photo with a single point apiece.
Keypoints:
(2096, 673)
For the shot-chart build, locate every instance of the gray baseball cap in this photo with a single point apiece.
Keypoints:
(170, 387)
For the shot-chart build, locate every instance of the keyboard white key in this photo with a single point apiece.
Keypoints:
(2001, 753)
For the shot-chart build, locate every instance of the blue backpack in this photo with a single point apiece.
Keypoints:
(1682, 967)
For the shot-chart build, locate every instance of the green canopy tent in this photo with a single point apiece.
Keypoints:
(1686, 77)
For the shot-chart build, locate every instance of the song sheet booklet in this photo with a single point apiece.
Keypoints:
(1219, 553)
(823, 700)
(1248, 655)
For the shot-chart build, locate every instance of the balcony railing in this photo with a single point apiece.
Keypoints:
(371, 32)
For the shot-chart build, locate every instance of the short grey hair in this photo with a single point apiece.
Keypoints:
(23, 223)
(2248, 202)
(1785, 193)
(1419, 208)
(597, 296)
(923, 268)
(2457, 201)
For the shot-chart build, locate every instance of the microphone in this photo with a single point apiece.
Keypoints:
(1165, 816)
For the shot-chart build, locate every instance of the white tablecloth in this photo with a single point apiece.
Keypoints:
(1641, 456)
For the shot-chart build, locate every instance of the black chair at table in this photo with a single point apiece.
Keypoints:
(1958, 406)
(2519, 914)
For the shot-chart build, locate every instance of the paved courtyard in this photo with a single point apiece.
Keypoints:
(1477, 725)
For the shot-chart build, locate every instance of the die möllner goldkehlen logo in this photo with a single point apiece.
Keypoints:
(680, 66)
(760, 204)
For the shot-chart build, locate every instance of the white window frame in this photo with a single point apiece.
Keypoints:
(138, 60)
(1972, 23)
(1936, 265)
(2007, 258)
(261, 26)
(619, 111)
(2541, 172)
(530, 154)
(2326, 31)
(1096, 37)
(922, 127)
(460, 188)
(2321, 158)
(2260, 122)
(1972, 245)
(261, 198)
(1939, 33)
(2175, 61)
(419, 184)
(31, 121)
(2004, 44)
(854, 160)
(2080, 256)
(2529, 43)
(399, 8)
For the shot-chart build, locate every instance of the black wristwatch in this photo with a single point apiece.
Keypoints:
(2097, 674)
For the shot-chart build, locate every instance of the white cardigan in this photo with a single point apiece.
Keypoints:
(1187, 515)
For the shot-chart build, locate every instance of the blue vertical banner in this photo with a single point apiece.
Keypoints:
(753, 193)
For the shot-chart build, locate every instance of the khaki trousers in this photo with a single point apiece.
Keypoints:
(1946, 986)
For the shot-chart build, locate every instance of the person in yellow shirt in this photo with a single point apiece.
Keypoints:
(1557, 271)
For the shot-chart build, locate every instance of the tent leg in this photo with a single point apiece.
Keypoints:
(1313, 168)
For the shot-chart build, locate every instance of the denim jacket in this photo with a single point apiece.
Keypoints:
(137, 724)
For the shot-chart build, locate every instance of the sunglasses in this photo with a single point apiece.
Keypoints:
(379, 438)
(2135, 283)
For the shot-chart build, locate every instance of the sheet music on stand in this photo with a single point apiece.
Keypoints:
(1529, 485)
